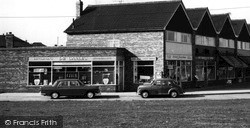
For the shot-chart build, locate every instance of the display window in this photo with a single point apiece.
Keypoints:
(205, 69)
(88, 72)
(143, 71)
(226, 73)
(39, 73)
(179, 70)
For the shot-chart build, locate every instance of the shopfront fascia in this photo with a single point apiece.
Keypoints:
(178, 67)
(90, 70)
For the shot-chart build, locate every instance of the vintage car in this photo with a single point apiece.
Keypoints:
(69, 87)
(163, 86)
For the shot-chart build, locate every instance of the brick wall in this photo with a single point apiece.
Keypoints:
(14, 62)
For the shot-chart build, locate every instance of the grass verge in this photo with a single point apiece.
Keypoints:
(198, 113)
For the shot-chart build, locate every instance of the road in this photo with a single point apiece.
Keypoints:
(128, 96)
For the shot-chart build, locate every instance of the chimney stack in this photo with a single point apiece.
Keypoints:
(9, 38)
(79, 7)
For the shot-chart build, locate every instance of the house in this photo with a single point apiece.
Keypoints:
(10, 40)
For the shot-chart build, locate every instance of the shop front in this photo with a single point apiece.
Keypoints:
(179, 67)
(96, 71)
(205, 69)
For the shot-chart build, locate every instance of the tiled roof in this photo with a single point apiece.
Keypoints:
(219, 21)
(125, 17)
(196, 15)
(2, 41)
(238, 25)
(248, 25)
(17, 42)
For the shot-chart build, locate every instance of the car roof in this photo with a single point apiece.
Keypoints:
(166, 79)
(66, 79)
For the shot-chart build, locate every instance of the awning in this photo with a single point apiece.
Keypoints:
(235, 62)
(245, 59)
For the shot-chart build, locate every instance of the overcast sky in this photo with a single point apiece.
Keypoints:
(45, 20)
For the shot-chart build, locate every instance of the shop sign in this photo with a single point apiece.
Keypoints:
(178, 57)
(143, 58)
(204, 58)
(71, 58)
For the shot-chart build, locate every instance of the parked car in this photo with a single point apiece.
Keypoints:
(163, 86)
(69, 87)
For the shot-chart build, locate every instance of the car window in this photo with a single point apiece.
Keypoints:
(158, 82)
(74, 84)
(63, 84)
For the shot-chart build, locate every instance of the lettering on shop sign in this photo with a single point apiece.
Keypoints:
(179, 57)
(70, 58)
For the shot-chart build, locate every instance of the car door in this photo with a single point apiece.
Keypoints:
(75, 88)
(165, 86)
(156, 88)
(62, 88)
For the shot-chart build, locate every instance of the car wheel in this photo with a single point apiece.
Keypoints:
(54, 95)
(145, 94)
(90, 95)
(173, 94)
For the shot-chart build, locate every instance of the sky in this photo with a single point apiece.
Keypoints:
(45, 20)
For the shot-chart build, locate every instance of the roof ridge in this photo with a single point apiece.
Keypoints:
(134, 3)
(196, 8)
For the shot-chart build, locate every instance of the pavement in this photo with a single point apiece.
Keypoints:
(129, 96)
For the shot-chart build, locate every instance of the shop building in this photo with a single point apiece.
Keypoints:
(120, 46)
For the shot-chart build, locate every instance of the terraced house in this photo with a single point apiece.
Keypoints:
(120, 46)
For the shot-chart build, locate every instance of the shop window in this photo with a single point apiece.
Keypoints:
(143, 71)
(179, 70)
(103, 75)
(222, 73)
(230, 73)
(85, 74)
(39, 76)
(240, 73)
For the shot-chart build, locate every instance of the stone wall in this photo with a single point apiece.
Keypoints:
(140, 44)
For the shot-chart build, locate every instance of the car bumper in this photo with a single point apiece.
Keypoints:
(98, 94)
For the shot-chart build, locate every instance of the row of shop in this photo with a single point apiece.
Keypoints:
(136, 43)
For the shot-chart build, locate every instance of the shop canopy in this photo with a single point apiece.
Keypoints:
(235, 62)
(246, 59)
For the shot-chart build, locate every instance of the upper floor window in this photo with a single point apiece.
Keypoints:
(239, 44)
(227, 43)
(243, 45)
(247, 46)
(178, 37)
(223, 42)
(231, 43)
(203, 40)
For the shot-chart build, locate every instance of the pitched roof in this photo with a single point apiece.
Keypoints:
(125, 17)
(2, 41)
(17, 42)
(248, 25)
(238, 26)
(219, 21)
(196, 15)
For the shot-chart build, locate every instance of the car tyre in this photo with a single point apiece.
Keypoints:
(90, 95)
(173, 94)
(55, 95)
(145, 94)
